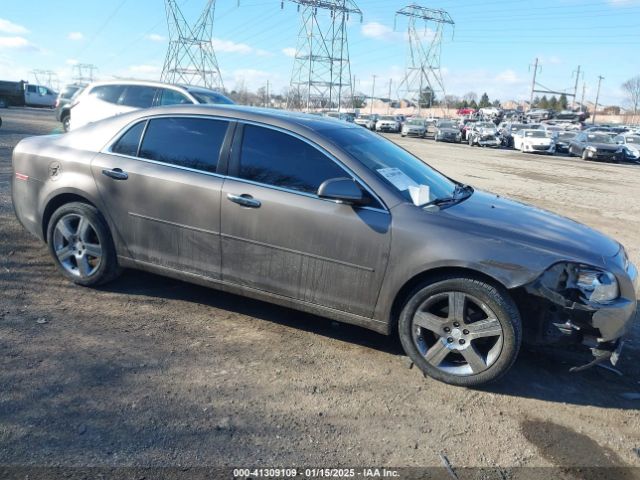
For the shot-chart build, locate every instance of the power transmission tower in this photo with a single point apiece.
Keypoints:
(423, 72)
(48, 78)
(321, 76)
(83, 72)
(191, 59)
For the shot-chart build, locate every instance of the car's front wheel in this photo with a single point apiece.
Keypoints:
(461, 330)
(81, 245)
(66, 121)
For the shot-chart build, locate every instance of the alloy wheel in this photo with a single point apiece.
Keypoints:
(457, 333)
(77, 246)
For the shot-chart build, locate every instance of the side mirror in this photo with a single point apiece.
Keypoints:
(343, 190)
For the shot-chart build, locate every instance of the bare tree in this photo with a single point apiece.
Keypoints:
(632, 90)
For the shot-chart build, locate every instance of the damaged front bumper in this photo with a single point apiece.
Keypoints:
(559, 314)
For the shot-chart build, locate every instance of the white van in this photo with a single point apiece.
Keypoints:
(105, 99)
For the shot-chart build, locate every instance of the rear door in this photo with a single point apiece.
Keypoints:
(162, 191)
(278, 236)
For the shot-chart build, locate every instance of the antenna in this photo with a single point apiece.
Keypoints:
(424, 31)
(321, 76)
(191, 59)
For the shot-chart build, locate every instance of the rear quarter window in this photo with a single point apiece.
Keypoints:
(128, 143)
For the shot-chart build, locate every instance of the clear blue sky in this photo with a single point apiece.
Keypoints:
(494, 42)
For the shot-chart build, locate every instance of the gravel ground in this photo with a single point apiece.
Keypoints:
(149, 371)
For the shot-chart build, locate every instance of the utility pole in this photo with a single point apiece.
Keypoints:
(584, 89)
(389, 104)
(373, 89)
(595, 108)
(575, 88)
(533, 83)
(268, 98)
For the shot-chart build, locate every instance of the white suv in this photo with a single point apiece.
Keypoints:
(105, 99)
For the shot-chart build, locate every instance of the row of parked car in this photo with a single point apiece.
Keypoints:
(549, 137)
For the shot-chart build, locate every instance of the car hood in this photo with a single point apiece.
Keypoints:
(604, 146)
(449, 130)
(526, 225)
(537, 140)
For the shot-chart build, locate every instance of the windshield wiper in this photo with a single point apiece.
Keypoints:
(460, 193)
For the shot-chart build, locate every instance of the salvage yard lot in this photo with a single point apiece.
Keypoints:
(151, 371)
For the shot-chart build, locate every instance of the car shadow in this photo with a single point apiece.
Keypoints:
(537, 374)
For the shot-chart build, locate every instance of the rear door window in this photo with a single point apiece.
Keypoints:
(185, 141)
(172, 97)
(107, 93)
(138, 96)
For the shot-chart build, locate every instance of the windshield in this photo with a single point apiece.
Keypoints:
(446, 125)
(387, 117)
(397, 167)
(632, 138)
(485, 125)
(599, 138)
(69, 92)
(364, 117)
(535, 133)
(416, 122)
(203, 96)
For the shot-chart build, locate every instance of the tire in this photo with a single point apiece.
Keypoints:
(584, 154)
(81, 245)
(470, 141)
(65, 122)
(492, 354)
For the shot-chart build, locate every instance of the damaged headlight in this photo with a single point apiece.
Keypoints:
(596, 285)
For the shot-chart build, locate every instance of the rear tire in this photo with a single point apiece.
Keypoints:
(474, 342)
(66, 121)
(584, 154)
(81, 245)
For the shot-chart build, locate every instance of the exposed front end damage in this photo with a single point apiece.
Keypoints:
(559, 308)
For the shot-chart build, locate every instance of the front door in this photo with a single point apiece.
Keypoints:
(163, 193)
(278, 236)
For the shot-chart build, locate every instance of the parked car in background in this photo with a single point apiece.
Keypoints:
(414, 127)
(388, 123)
(463, 112)
(162, 190)
(466, 127)
(630, 146)
(506, 131)
(63, 104)
(105, 99)
(539, 114)
(367, 121)
(534, 141)
(563, 139)
(484, 134)
(342, 116)
(447, 131)
(595, 146)
(22, 94)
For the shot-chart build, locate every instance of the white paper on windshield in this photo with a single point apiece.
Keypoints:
(397, 178)
(419, 195)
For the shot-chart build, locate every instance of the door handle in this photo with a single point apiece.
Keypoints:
(116, 174)
(245, 200)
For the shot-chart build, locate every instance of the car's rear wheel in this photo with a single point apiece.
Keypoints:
(461, 330)
(81, 245)
(66, 121)
(584, 154)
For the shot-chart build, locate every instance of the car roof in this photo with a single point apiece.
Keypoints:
(283, 118)
(151, 83)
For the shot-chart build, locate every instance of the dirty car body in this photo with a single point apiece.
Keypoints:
(374, 237)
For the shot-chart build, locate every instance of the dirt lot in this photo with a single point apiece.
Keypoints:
(151, 371)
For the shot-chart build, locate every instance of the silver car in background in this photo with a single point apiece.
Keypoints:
(328, 218)
(367, 121)
(414, 127)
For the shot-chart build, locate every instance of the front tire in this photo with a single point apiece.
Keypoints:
(584, 154)
(66, 121)
(461, 330)
(81, 245)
